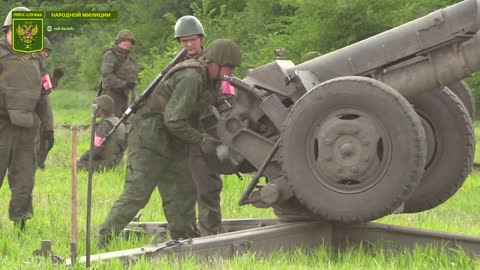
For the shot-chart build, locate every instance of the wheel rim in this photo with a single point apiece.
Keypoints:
(349, 150)
(430, 139)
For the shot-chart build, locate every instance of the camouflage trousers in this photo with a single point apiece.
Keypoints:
(98, 164)
(41, 149)
(150, 166)
(43, 143)
(17, 156)
(209, 186)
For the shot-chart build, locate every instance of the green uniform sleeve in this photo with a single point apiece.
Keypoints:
(109, 79)
(44, 112)
(181, 105)
(103, 128)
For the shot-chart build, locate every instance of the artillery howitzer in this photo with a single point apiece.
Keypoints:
(363, 131)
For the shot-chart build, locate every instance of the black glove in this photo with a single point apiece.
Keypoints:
(209, 145)
(130, 85)
(47, 136)
(58, 73)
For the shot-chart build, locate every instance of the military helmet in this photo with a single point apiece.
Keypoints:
(124, 35)
(46, 44)
(8, 19)
(224, 52)
(188, 26)
(105, 103)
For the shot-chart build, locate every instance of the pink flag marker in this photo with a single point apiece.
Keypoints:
(46, 83)
(97, 141)
(227, 88)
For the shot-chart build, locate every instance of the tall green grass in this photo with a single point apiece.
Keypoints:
(52, 216)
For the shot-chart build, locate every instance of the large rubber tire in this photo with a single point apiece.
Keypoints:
(352, 150)
(450, 148)
(464, 93)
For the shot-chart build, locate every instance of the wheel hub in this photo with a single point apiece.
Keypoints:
(348, 150)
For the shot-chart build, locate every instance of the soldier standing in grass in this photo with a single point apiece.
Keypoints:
(161, 133)
(20, 90)
(109, 154)
(189, 33)
(120, 72)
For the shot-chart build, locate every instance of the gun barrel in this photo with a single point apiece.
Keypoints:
(438, 68)
(243, 86)
(421, 46)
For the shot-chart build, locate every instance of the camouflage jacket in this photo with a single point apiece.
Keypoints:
(45, 112)
(219, 99)
(19, 97)
(181, 98)
(118, 67)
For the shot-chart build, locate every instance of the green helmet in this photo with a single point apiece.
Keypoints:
(46, 44)
(188, 26)
(105, 103)
(8, 19)
(224, 52)
(124, 35)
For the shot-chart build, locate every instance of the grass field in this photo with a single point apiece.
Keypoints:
(52, 216)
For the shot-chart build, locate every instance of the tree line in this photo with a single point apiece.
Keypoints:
(258, 26)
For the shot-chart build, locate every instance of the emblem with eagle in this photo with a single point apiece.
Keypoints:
(27, 34)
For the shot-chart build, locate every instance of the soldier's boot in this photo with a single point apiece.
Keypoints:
(196, 230)
(82, 165)
(211, 226)
(103, 238)
(19, 224)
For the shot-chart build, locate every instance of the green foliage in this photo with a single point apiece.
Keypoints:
(474, 83)
(259, 26)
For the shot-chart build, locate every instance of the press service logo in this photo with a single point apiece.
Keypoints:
(27, 31)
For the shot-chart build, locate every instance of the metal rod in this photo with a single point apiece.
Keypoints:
(239, 176)
(89, 185)
(243, 86)
(259, 236)
(256, 178)
(73, 231)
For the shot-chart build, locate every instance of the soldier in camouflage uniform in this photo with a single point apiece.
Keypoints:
(110, 153)
(45, 138)
(189, 33)
(120, 72)
(160, 134)
(20, 89)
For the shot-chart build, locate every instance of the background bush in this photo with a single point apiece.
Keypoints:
(259, 26)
